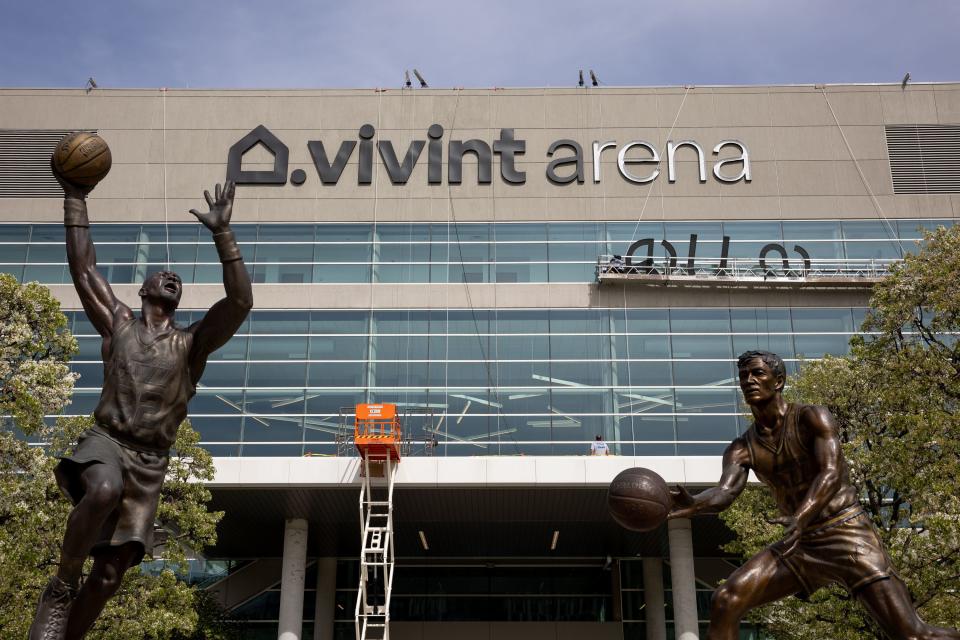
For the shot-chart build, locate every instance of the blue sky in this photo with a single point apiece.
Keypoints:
(484, 43)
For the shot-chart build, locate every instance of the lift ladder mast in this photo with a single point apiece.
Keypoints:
(377, 436)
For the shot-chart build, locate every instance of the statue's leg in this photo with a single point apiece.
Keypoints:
(889, 603)
(762, 579)
(102, 486)
(109, 565)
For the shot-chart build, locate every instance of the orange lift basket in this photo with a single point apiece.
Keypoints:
(376, 431)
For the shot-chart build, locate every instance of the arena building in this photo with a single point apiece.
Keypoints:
(518, 271)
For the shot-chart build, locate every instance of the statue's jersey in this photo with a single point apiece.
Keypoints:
(786, 463)
(146, 386)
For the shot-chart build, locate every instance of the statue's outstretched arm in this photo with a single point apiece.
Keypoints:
(225, 317)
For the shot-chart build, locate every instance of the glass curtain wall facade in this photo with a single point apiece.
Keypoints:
(475, 381)
(442, 253)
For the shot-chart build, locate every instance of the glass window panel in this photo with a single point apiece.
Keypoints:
(700, 320)
(643, 400)
(280, 321)
(439, 257)
(620, 235)
(261, 401)
(217, 401)
(285, 232)
(386, 322)
(467, 232)
(338, 347)
(652, 428)
(468, 323)
(468, 374)
(587, 373)
(336, 374)
(523, 347)
(649, 373)
(47, 233)
(339, 321)
(692, 346)
(513, 262)
(326, 404)
(470, 262)
(15, 270)
(753, 230)
(520, 231)
(235, 349)
(522, 321)
(14, 233)
(523, 401)
(580, 347)
(591, 232)
(816, 320)
(83, 402)
(709, 237)
(573, 272)
(278, 348)
(89, 348)
(703, 373)
(802, 231)
(469, 347)
(403, 374)
(817, 345)
(520, 373)
(640, 320)
(218, 429)
(402, 273)
(884, 243)
(91, 374)
(341, 273)
(291, 374)
(344, 232)
(710, 400)
(760, 320)
(127, 233)
(272, 429)
(224, 374)
(402, 348)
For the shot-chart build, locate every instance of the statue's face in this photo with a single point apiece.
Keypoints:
(163, 287)
(758, 382)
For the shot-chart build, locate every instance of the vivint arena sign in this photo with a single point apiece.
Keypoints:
(638, 161)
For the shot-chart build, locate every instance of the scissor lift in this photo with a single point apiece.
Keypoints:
(378, 438)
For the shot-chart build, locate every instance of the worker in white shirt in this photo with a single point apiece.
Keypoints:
(599, 448)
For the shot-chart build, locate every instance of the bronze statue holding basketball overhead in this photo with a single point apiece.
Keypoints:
(794, 449)
(151, 370)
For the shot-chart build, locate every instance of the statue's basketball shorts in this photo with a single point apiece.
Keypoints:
(142, 472)
(843, 549)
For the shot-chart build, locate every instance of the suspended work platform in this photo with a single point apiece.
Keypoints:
(378, 438)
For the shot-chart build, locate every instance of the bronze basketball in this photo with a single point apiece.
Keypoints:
(639, 499)
(82, 158)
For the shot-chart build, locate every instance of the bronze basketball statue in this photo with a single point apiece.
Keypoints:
(151, 370)
(794, 449)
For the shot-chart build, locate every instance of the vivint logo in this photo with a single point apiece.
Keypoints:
(638, 161)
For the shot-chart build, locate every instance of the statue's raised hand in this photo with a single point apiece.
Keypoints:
(221, 208)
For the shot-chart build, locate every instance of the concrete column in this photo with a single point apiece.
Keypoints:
(291, 579)
(326, 599)
(684, 580)
(653, 601)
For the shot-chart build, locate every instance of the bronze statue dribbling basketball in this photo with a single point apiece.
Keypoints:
(151, 370)
(794, 449)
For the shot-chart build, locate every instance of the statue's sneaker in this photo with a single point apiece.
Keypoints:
(50, 623)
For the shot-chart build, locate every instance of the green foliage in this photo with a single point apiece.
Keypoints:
(895, 397)
(35, 346)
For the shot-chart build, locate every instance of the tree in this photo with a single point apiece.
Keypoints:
(895, 397)
(35, 380)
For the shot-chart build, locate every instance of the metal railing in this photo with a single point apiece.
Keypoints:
(744, 271)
